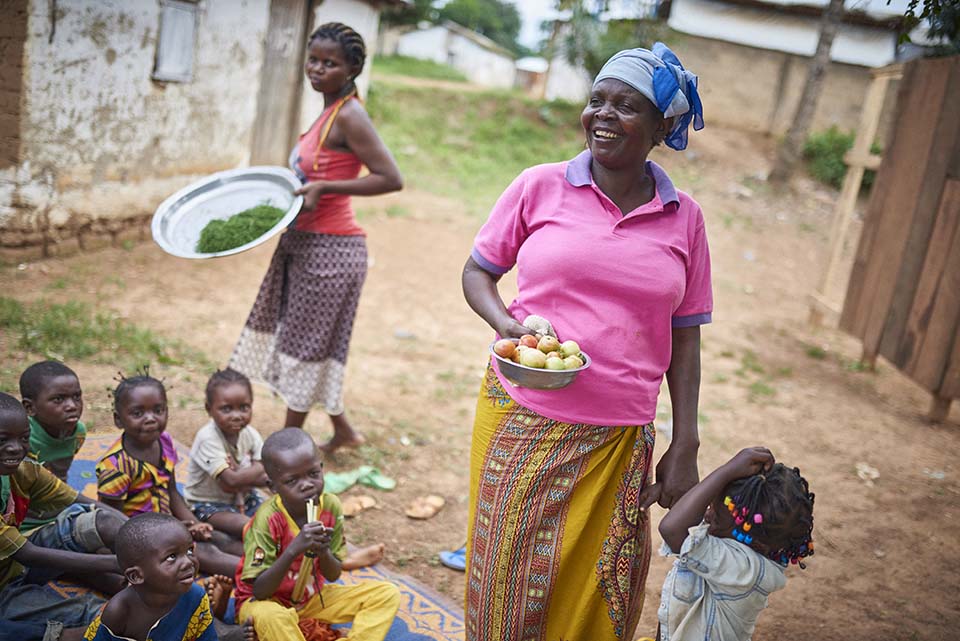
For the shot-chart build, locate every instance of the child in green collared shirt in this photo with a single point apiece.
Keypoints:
(50, 392)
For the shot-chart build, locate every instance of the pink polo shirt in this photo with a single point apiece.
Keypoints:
(615, 284)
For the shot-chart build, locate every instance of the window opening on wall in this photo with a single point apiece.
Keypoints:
(176, 41)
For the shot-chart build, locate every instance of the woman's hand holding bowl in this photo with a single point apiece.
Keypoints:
(311, 193)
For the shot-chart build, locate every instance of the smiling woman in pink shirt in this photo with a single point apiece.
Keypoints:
(616, 258)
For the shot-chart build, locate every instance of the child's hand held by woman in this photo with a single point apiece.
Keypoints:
(750, 461)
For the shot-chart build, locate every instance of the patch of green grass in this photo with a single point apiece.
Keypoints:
(749, 363)
(720, 378)
(815, 352)
(397, 211)
(855, 365)
(116, 281)
(727, 354)
(759, 390)
(824, 153)
(407, 66)
(365, 213)
(474, 146)
(784, 372)
(58, 283)
(72, 330)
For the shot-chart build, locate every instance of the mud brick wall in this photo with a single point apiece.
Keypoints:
(91, 143)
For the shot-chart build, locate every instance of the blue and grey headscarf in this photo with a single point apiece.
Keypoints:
(659, 76)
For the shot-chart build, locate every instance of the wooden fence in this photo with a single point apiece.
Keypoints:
(903, 299)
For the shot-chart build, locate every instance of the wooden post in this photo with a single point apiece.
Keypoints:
(858, 159)
(939, 409)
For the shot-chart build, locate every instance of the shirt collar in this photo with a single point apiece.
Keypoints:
(578, 174)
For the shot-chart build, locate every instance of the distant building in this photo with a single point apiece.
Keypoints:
(477, 57)
(752, 58)
(107, 108)
(532, 75)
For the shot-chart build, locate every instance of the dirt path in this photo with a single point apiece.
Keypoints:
(888, 559)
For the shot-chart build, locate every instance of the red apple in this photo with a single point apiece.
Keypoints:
(504, 348)
(528, 340)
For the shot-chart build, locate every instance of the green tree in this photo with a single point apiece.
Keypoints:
(413, 13)
(589, 42)
(499, 21)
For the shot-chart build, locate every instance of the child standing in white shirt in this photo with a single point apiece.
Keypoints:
(734, 534)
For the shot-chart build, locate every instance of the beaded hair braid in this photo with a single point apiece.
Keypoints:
(127, 383)
(776, 509)
(223, 377)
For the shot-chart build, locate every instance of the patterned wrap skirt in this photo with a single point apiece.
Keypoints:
(558, 547)
(297, 335)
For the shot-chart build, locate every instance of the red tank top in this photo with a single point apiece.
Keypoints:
(334, 212)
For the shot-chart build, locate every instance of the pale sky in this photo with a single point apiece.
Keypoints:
(532, 13)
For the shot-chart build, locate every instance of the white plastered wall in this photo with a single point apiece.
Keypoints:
(100, 139)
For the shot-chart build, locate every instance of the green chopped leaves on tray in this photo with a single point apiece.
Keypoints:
(239, 229)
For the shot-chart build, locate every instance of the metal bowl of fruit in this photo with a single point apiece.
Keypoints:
(537, 367)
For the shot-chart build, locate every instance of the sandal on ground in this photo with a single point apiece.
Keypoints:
(425, 507)
(372, 477)
(456, 560)
(354, 505)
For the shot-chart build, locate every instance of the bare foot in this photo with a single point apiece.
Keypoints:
(337, 442)
(228, 632)
(364, 557)
(249, 632)
(218, 589)
(343, 435)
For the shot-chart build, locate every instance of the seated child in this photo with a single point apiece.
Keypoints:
(161, 601)
(137, 474)
(734, 533)
(26, 607)
(289, 558)
(225, 467)
(51, 394)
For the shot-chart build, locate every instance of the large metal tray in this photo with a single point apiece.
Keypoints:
(178, 221)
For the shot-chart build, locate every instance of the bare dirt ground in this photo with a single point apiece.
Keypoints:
(888, 558)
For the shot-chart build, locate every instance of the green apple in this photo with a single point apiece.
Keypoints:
(572, 362)
(548, 344)
(555, 362)
(533, 358)
(569, 348)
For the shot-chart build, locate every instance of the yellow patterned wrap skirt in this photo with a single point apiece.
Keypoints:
(558, 548)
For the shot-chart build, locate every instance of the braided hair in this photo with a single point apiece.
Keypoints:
(354, 49)
(776, 509)
(223, 377)
(126, 384)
